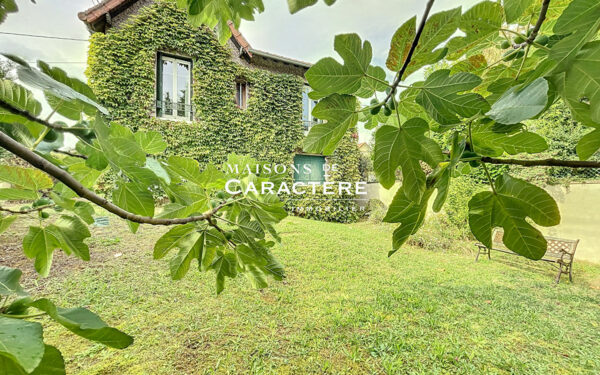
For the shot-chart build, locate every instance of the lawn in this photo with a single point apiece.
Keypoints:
(345, 308)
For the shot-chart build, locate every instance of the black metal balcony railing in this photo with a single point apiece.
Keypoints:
(167, 108)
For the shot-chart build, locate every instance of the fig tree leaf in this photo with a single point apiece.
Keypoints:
(340, 114)
(518, 105)
(21, 342)
(84, 323)
(405, 147)
(513, 202)
(514, 9)
(582, 80)
(588, 145)
(409, 213)
(438, 29)
(579, 15)
(440, 99)
(328, 76)
(481, 24)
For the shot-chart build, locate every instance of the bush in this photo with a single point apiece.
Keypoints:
(376, 210)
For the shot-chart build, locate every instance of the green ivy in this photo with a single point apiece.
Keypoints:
(122, 73)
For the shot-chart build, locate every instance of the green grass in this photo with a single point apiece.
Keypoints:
(345, 308)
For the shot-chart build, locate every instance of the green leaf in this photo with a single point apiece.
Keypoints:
(514, 9)
(130, 197)
(328, 76)
(488, 142)
(23, 99)
(508, 208)
(440, 99)
(481, 24)
(582, 80)
(565, 51)
(25, 178)
(191, 247)
(51, 86)
(17, 194)
(172, 239)
(438, 29)
(400, 44)
(21, 342)
(6, 221)
(579, 15)
(52, 363)
(7, 6)
(404, 147)
(84, 323)
(184, 168)
(10, 282)
(72, 109)
(409, 213)
(40, 243)
(588, 145)
(151, 142)
(176, 210)
(340, 113)
(71, 233)
(297, 5)
(519, 105)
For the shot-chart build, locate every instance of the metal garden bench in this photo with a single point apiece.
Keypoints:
(560, 251)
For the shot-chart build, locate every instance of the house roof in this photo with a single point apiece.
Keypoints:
(96, 18)
(97, 14)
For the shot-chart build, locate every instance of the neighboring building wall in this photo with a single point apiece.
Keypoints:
(580, 218)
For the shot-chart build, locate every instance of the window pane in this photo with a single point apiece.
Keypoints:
(183, 95)
(167, 87)
(306, 109)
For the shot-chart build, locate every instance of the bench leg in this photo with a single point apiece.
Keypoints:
(571, 272)
(478, 252)
(560, 272)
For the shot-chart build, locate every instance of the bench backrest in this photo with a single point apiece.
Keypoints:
(557, 247)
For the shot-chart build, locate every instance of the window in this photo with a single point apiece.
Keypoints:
(241, 94)
(309, 168)
(307, 106)
(174, 89)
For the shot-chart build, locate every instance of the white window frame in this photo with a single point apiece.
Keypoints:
(311, 105)
(241, 101)
(188, 110)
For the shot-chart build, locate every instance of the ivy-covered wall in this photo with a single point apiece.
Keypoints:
(122, 72)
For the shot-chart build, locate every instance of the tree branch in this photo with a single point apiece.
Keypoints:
(537, 27)
(16, 111)
(28, 211)
(413, 47)
(543, 162)
(64, 177)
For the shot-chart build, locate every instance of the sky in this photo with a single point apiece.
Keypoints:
(307, 35)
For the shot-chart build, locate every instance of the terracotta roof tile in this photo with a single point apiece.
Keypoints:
(94, 13)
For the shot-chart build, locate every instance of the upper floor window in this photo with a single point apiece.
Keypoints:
(241, 94)
(307, 106)
(174, 88)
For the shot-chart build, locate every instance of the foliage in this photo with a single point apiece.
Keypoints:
(481, 103)
(22, 348)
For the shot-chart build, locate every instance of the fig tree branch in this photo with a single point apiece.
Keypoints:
(16, 111)
(61, 175)
(413, 47)
(543, 162)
